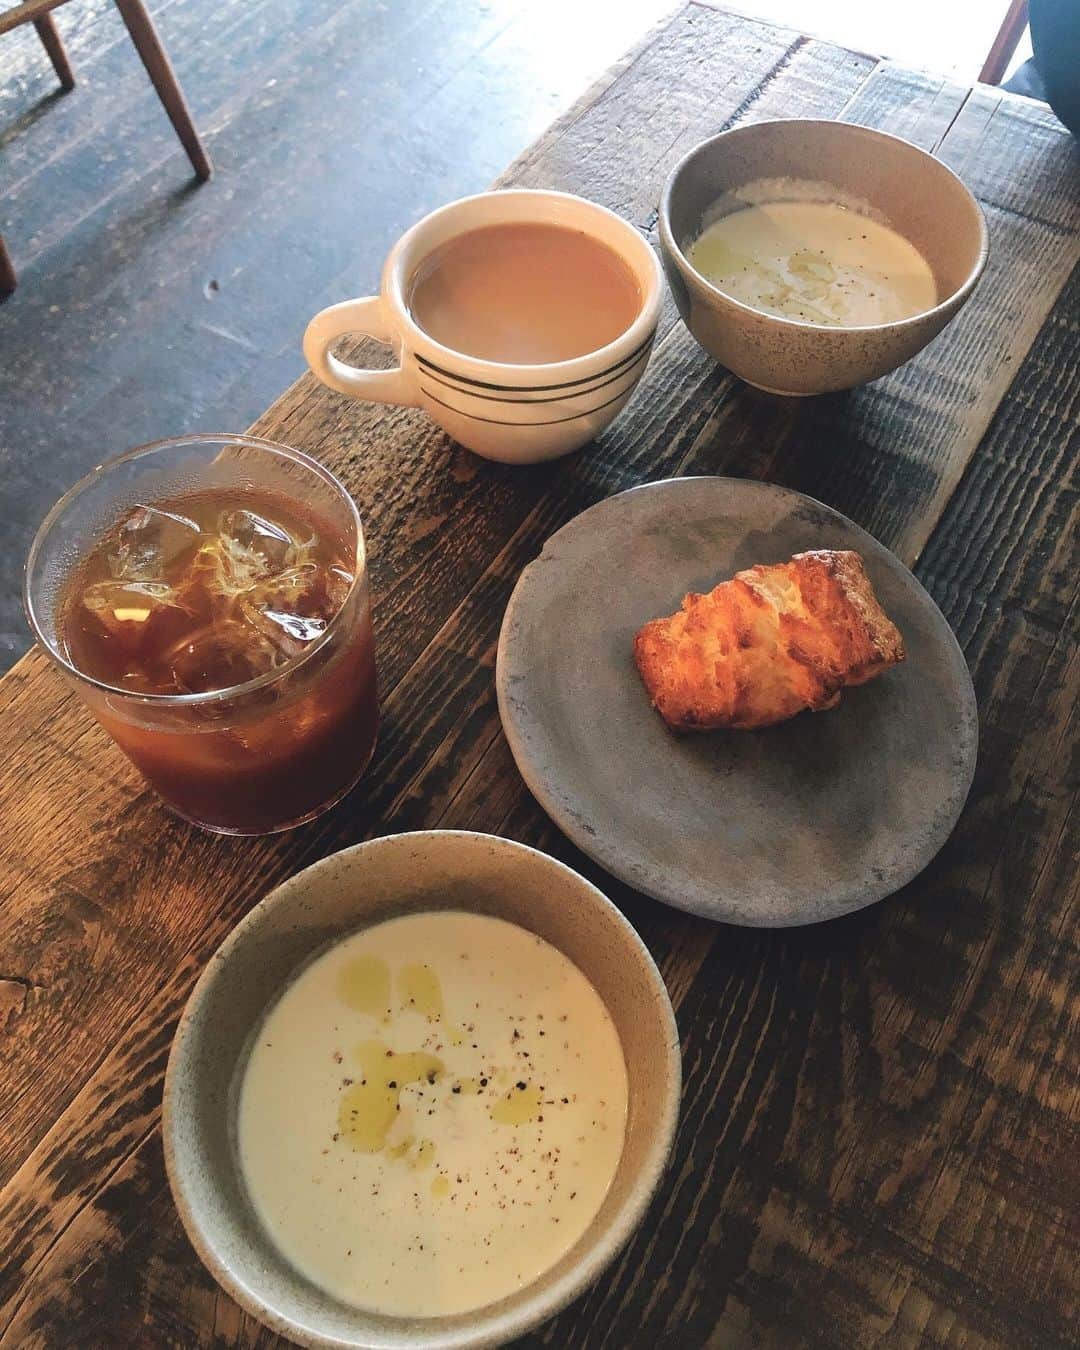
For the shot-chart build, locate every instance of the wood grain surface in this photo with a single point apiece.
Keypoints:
(880, 1138)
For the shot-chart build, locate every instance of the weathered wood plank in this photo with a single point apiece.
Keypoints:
(916, 105)
(1011, 154)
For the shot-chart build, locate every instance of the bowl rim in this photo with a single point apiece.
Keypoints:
(943, 308)
(490, 1324)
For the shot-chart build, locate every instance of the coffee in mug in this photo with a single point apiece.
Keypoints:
(527, 294)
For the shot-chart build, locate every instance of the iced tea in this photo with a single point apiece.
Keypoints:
(243, 610)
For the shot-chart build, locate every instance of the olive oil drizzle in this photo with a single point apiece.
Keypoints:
(364, 985)
(371, 1106)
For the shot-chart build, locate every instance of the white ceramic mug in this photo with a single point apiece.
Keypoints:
(515, 413)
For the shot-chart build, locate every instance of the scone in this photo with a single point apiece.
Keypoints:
(772, 642)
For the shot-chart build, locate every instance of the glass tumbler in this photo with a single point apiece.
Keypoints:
(267, 752)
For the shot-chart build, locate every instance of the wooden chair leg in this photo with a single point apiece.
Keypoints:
(8, 280)
(148, 45)
(53, 44)
(1006, 43)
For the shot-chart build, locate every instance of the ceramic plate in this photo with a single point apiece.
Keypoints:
(792, 824)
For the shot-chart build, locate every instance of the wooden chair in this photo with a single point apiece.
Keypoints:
(147, 43)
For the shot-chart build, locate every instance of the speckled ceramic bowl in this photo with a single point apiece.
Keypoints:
(401, 874)
(914, 193)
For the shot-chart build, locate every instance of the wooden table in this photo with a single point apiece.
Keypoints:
(879, 1138)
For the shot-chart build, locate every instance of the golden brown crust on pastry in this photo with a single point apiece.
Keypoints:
(768, 644)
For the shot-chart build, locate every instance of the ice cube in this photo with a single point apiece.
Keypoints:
(291, 589)
(293, 626)
(124, 602)
(294, 607)
(288, 632)
(141, 619)
(263, 544)
(246, 551)
(149, 543)
(222, 655)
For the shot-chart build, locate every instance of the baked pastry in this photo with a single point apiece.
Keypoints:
(768, 644)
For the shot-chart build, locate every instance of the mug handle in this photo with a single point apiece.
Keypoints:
(365, 316)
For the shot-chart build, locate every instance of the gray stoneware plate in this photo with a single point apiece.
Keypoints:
(793, 824)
